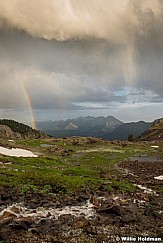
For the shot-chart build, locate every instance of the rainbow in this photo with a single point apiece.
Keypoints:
(29, 104)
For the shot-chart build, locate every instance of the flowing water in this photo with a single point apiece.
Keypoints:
(145, 189)
(18, 210)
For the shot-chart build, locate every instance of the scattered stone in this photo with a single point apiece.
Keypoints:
(91, 230)
(120, 143)
(34, 230)
(59, 150)
(128, 218)
(114, 210)
(6, 215)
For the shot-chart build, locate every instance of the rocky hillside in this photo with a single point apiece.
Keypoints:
(12, 129)
(155, 132)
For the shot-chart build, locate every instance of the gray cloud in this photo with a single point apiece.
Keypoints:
(72, 54)
(118, 21)
(68, 19)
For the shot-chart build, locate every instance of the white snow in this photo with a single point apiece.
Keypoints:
(159, 177)
(16, 152)
(154, 146)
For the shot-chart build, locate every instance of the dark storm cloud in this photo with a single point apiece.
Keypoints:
(80, 51)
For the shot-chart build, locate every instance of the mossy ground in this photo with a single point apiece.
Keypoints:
(85, 166)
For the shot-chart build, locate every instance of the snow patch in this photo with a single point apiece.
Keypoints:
(16, 152)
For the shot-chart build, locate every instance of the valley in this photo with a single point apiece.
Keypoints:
(81, 127)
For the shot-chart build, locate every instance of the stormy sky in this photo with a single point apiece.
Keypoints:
(81, 57)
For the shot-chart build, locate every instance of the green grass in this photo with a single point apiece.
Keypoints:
(123, 186)
(84, 168)
(33, 142)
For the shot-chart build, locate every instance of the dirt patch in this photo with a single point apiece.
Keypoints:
(142, 172)
(59, 150)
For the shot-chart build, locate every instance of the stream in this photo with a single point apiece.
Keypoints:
(18, 210)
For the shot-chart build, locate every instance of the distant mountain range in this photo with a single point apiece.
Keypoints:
(108, 128)
(81, 126)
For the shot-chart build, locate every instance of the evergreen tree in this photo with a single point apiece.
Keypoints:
(130, 138)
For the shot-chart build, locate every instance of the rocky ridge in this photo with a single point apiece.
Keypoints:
(155, 132)
(10, 129)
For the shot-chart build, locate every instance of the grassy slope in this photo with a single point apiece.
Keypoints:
(85, 167)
